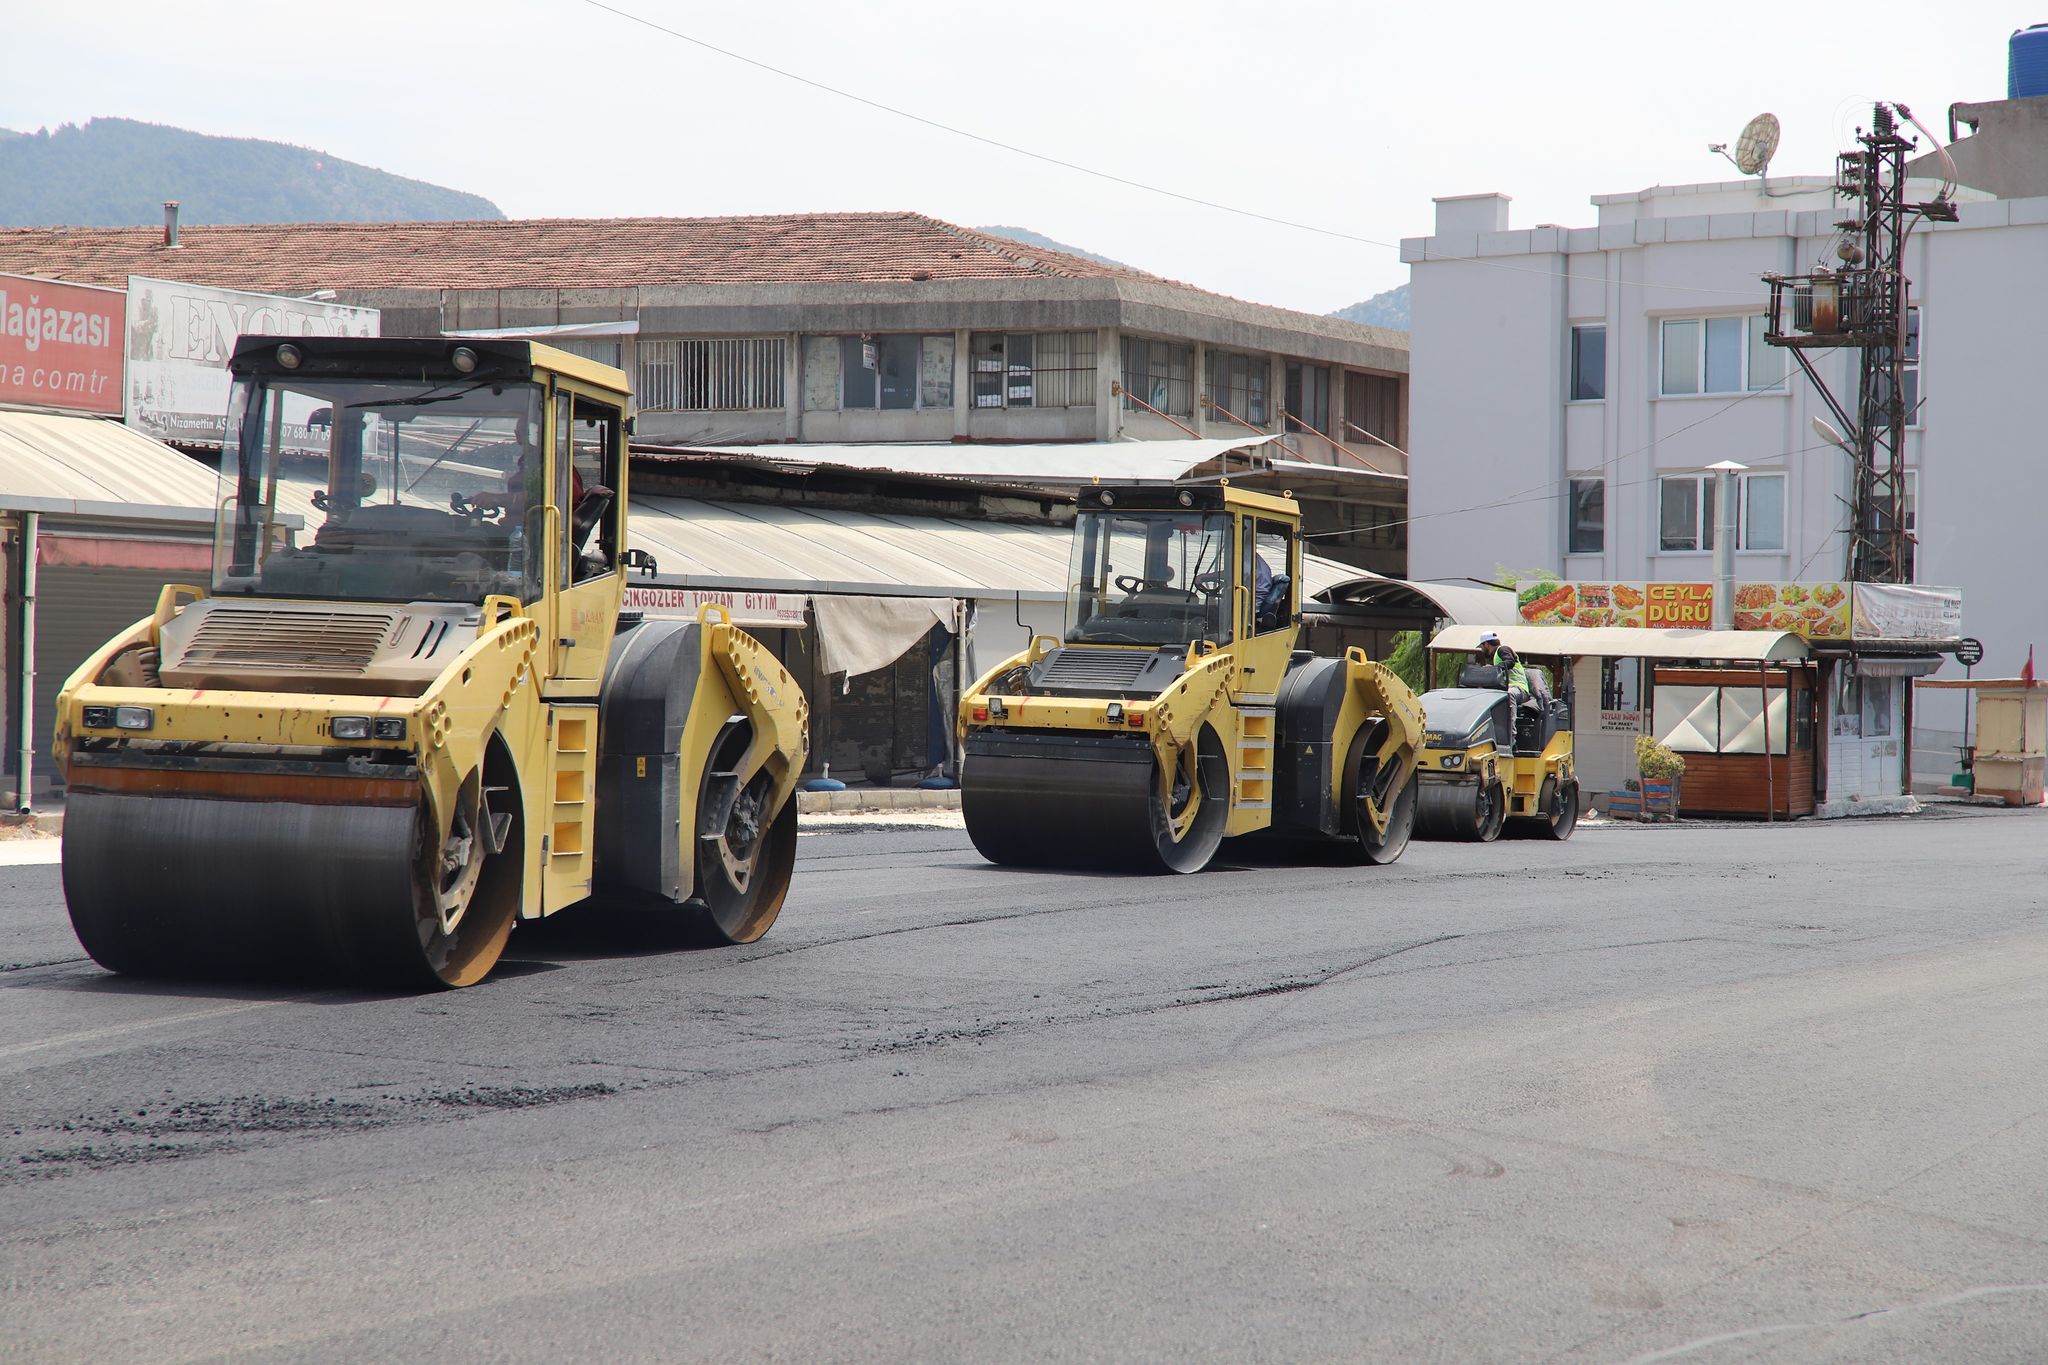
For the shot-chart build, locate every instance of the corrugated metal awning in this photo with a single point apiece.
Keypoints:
(89, 466)
(1624, 642)
(1069, 462)
(782, 548)
(1455, 601)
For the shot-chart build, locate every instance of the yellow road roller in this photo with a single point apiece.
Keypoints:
(408, 712)
(1496, 765)
(1175, 711)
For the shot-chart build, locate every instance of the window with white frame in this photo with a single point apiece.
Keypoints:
(1032, 370)
(1586, 525)
(1589, 362)
(878, 371)
(1160, 374)
(1685, 512)
(709, 374)
(1237, 386)
(1717, 355)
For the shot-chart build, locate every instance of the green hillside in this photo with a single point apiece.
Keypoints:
(114, 172)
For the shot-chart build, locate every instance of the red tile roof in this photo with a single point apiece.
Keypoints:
(548, 253)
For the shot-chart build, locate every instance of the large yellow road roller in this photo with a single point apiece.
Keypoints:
(1175, 712)
(407, 712)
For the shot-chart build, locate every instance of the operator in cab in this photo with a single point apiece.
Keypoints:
(1513, 676)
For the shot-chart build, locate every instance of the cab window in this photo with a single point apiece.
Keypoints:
(1269, 573)
(585, 484)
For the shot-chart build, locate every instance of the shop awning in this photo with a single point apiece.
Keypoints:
(1067, 462)
(1462, 603)
(1624, 642)
(92, 467)
(776, 548)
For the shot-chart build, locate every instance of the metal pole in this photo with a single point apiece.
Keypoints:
(1724, 542)
(30, 524)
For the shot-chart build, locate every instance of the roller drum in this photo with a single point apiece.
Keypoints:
(1463, 812)
(1086, 802)
(173, 885)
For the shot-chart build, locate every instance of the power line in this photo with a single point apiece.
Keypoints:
(1126, 181)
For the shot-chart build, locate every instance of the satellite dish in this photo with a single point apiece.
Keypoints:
(1758, 141)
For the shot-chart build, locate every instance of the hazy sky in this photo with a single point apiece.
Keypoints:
(1345, 116)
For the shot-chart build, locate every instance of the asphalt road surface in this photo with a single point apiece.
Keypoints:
(1708, 1094)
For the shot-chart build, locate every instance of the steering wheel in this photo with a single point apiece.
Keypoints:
(1208, 584)
(1132, 583)
(465, 506)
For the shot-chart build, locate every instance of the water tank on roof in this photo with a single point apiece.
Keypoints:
(2026, 63)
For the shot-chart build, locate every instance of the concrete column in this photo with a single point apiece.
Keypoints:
(1199, 382)
(1108, 370)
(963, 384)
(1339, 432)
(792, 386)
(1276, 391)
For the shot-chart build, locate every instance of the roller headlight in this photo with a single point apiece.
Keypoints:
(96, 717)
(349, 727)
(1453, 760)
(389, 727)
(133, 718)
(290, 357)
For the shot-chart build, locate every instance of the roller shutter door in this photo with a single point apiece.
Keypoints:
(78, 609)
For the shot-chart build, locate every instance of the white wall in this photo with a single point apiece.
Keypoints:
(1490, 347)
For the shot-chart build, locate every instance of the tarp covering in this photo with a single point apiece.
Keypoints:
(859, 635)
(1629, 642)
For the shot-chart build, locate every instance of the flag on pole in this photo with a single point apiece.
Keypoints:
(2027, 669)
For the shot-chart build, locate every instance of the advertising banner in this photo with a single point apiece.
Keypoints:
(1813, 611)
(60, 346)
(746, 608)
(180, 337)
(1908, 611)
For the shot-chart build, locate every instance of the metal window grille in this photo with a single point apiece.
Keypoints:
(1022, 370)
(711, 374)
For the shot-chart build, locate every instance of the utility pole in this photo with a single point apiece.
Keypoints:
(1862, 303)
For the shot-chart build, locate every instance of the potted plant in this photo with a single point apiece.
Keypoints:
(1660, 768)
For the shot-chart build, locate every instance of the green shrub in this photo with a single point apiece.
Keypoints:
(1655, 762)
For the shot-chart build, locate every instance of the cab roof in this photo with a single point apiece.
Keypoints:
(1214, 496)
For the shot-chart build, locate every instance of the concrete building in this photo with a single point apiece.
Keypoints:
(837, 328)
(1573, 385)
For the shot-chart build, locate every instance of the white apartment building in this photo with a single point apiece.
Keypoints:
(1570, 387)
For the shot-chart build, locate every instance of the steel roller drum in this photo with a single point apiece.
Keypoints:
(1454, 811)
(1080, 800)
(184, 885)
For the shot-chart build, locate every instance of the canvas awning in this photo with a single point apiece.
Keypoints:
(1624, 642)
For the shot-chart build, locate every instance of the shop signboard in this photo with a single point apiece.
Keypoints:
(746, 608)
(1813, 611)
(1620, 723)
(180, 337)
(60, 346)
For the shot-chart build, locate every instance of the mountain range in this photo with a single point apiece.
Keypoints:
(116, 172)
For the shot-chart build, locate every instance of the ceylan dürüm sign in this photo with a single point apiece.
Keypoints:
(60, 346)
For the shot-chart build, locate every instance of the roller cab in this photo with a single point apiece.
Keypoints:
(1174, 711)
(375, 740)
(1490, 767)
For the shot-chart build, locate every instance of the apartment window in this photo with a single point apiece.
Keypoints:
(1912, 367)
(1237, 385)
(1767, 363)
(1685, 512)
(889, 372)
(1033, 370)
(710, 374)
(1908, 516)
(1760, 514)
(1160, 374)
(1587, 532)
(1718, 355)
(1308, 398)
(1589, 362)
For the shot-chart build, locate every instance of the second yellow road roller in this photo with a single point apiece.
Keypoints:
(407, 711)
(1175, 711)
